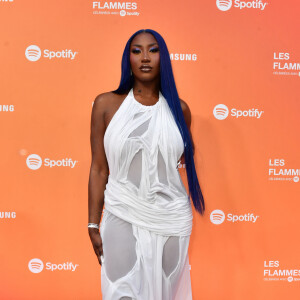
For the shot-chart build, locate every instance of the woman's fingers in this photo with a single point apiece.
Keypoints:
(99, 259)
(99, 253)
(97, 245)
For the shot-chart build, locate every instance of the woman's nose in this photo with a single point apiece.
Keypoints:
(146, 56)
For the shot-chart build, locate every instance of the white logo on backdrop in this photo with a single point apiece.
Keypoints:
(33, 53)
(34, 161)
(183, 56)
(273, 271)
(279, 172)
(4, 107)
(115, 8)
(7, 215)
(36, 265)
(224, 5)
(218, 217)
(283, 66)
(221, 111)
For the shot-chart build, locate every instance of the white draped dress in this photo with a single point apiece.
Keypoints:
(147, 217)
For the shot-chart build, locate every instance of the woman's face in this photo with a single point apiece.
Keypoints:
(144, 57)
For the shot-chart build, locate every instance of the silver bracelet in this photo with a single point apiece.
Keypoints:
(93, 225)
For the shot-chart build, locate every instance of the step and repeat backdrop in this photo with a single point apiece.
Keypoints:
(237, 65)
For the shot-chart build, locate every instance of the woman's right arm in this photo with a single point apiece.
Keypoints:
(98, 172)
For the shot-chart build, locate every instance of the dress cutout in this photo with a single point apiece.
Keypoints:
(147, 216)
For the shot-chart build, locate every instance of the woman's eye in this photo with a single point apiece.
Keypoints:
(135, 51)
(139, 51)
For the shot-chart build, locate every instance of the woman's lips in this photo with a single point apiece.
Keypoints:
(145, 69)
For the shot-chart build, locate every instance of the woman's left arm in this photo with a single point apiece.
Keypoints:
(188, 118)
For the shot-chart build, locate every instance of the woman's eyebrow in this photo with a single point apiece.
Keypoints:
(142, 46)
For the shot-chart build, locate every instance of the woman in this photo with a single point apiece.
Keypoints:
(139, 132)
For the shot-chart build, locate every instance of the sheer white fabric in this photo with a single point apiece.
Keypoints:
(147, 219)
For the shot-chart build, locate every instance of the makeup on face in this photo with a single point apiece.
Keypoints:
(137, 49)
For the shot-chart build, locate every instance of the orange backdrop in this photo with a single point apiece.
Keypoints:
(237, 65)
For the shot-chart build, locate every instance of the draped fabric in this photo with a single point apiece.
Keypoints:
(146, 206)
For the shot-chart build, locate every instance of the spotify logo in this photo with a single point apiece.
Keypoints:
(35, 265)
(257, 4)
(221, 111)
(122, 13)
(224, 5)
(34, 161)
(33, 53)
(217, 216)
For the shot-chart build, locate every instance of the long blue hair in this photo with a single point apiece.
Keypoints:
(169, 91)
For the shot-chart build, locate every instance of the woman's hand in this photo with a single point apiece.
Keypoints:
(96, 242)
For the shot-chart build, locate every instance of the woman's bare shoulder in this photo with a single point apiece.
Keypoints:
(106, 98)
(107, 101)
